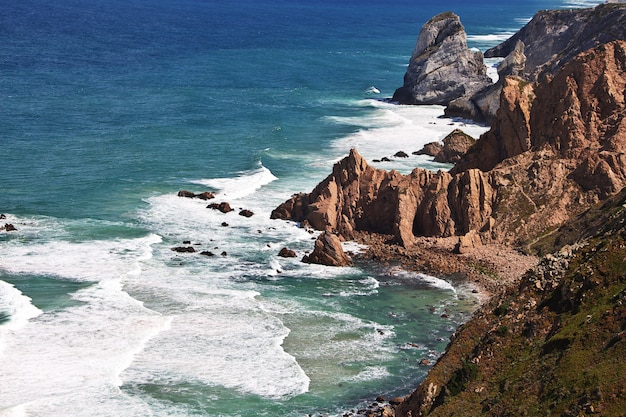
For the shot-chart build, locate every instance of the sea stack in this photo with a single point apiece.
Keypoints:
(442, 68)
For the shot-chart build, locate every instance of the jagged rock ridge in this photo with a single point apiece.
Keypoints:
(552, 152)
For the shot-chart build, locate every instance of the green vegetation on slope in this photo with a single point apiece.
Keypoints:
(554, 346)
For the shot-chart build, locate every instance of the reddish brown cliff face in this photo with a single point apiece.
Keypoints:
(554, 150)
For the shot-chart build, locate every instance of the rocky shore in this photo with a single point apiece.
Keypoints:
(547, 179)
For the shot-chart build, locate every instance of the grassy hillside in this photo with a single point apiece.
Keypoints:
(553, 346)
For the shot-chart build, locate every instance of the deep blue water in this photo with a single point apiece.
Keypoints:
(108, 108)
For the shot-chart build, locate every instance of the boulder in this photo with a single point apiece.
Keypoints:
(8, 227)
(442, 68)
(207, 195)
(224, 207)
(246, 213)
(467, 242)
(455, 145)
(184, 249)
(401, 154)
(328, 251)
(287, 253)
(430, 149)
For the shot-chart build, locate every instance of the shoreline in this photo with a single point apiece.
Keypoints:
(482, 272)
(486, 270)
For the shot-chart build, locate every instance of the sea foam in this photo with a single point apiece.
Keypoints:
(388, 128)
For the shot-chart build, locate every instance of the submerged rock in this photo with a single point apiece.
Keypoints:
(184, 249)
(246, 213)
(207, 195)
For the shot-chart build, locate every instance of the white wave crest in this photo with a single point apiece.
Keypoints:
(240, 186)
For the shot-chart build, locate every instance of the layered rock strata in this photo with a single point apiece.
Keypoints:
(553, 151)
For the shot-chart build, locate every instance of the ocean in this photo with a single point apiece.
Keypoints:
(108, 108)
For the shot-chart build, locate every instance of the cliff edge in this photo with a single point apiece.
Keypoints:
(553, 345)
(553, 151)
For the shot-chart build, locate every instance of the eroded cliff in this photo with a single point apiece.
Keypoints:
(554, 150)
(553, 345)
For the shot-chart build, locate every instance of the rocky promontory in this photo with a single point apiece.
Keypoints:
(538, 50)
(554, 37)
(554, 150)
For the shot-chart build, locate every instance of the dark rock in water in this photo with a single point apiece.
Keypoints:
(224, 224)
(224, 253)
(186, 194)
(207, 253)
(385, 159)
(328, 251)
(224, 207)
(186, 242)
(184, 249)
(401, 154)
(430, 149)
(442, 68)
(287, 253)
(3, 216)
(207, 195)
(9, 227)
(246, 213)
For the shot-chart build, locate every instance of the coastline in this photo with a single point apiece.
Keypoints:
(483, 272)
(486, 269)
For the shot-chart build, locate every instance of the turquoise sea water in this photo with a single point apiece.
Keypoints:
(108, 108)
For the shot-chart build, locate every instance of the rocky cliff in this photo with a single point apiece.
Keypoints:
(442, 68)
(553, 151)
(551, 39)
(553, 345)
(554, 37)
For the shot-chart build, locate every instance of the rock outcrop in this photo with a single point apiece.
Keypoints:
(455, 145)
(442, 68)
(550, 40)
(553, 345)
(206, 195)
(431, 149)
(483, 105)
(224, 207)
(553, 151)
(554, 37)
(328, 251)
